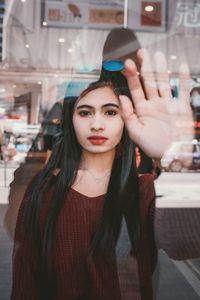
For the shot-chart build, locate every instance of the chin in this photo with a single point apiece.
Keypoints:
(98, 149)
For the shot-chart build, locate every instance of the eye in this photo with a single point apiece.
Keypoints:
(84, 113)
(111, 112)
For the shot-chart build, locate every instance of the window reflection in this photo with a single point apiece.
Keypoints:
(51, 50)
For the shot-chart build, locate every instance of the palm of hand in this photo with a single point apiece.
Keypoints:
(155, 120)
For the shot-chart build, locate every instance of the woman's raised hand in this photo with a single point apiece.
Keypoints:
(153, 119)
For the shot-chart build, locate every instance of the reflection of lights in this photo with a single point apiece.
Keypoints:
(70, 50)
(44, 23)
(173, 57)
(23, 1)
(61, 40)
(2, 90)
(195, 141)
(196, 124)
(2, 110)
(149, 8)
(39, 82)
(169, 72)
(27, 45)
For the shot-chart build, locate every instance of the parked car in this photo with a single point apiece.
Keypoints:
(182, 155)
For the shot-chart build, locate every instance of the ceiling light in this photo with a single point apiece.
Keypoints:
(169, 72)
(14, 86)
(173, 57)
(39, 82)
(44, 23)
(61, 40)
(149, 8)
(23, 1)
(70, 50)
(27, 45)
(2, 90)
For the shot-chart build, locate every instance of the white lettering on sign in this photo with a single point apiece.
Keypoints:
(188, 15)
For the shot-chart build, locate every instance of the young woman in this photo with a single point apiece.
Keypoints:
(85, 226)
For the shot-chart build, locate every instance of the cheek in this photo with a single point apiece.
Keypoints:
(118, 129)
(81, 130)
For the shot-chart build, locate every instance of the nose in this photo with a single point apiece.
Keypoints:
(97, 123)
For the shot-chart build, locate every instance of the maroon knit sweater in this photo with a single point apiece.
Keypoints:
(78, 276)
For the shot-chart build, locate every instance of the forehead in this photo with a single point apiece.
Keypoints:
(99, 97)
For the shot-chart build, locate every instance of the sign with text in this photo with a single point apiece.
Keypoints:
(185, 16)
(147, 15)
(97, 14)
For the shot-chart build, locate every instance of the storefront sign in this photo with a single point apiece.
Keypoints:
(147, 15)
(96, 14)
(187, 15)
(184, 16)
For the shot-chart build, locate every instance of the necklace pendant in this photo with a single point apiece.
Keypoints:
(97, 179)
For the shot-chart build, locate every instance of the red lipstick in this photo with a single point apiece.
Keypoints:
(97, 140)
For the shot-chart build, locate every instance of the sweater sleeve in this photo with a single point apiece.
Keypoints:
(25, 260)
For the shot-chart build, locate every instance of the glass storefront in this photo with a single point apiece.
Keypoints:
(50, 51)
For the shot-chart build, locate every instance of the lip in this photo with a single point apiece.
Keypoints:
(97, 140)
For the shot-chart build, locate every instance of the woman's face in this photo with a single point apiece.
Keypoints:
(97, 121)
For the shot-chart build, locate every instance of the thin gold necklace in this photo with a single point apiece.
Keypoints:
(98, 179)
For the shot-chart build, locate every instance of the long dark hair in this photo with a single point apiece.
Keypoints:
(121, 198)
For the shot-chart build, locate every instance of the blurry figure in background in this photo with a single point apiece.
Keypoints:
(34, 162)
(195, 105)
(10, 150)
(51, 126)
(115, 51)
(195, 102)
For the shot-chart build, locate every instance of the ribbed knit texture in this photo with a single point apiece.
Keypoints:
(177, 231)
(77, 275)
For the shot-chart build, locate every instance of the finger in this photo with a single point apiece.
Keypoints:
(148, 78)
(163, 81)
(133, 80)
(184, 83)
(126, 107)
(130, 118)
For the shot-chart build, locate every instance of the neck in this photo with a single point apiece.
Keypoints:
(98, 162)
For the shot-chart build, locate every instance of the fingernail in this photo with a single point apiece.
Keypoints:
(129, 63)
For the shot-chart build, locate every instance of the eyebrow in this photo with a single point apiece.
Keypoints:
(91, 107)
